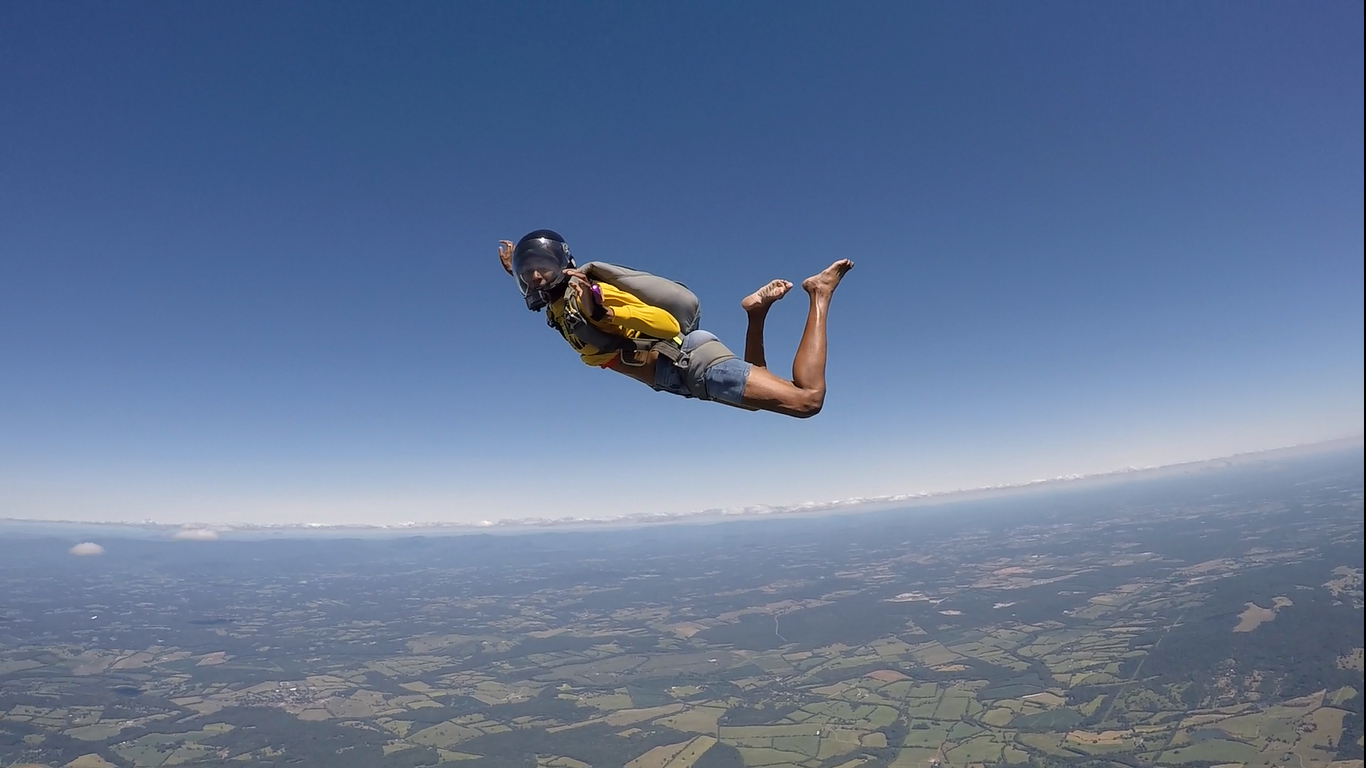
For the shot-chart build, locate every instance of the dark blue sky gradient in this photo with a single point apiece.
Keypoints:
(247, 251)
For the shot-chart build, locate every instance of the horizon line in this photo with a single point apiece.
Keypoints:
(645, 518)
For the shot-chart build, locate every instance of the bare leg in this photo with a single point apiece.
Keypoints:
(808, 368)
(805, 394)
(756, 307)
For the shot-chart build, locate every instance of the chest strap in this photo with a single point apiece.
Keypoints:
(577, 326)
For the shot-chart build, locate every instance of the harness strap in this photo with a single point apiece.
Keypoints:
(692, 364)
(578, 326)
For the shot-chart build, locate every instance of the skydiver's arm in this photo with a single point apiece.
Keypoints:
(505, 254)
(626, 311)
(621, 308)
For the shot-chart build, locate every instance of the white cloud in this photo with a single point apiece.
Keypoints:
(87, 548)
(196, 534)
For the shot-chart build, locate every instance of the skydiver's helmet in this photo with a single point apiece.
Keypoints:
(538, 263)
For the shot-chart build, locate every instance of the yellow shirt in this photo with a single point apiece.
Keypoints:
(631, 318)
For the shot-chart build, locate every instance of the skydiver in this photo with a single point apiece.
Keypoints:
(546, 274)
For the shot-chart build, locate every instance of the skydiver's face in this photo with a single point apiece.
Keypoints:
(539, 272)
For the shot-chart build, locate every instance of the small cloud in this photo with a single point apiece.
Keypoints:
(196, 534)
(86, 549)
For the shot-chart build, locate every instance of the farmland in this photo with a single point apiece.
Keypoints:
(1192, 622)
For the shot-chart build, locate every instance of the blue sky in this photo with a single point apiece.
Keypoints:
(247, 251)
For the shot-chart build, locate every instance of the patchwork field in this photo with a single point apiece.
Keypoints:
(1193, 626)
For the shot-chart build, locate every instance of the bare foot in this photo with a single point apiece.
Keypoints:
(760, 299)
(824, 282)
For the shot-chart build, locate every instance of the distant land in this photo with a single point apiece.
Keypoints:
(209, 531)
(1205, 619)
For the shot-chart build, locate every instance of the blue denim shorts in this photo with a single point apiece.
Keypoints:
(725, 380)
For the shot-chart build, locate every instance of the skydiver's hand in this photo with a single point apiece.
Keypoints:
(505, 254)
(583, 290)
(590, 302)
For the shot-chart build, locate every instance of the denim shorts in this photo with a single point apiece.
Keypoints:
(725, 380)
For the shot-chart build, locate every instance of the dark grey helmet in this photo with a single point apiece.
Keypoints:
(543, 250)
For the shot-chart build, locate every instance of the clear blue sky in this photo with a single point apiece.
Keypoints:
(248, 272)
